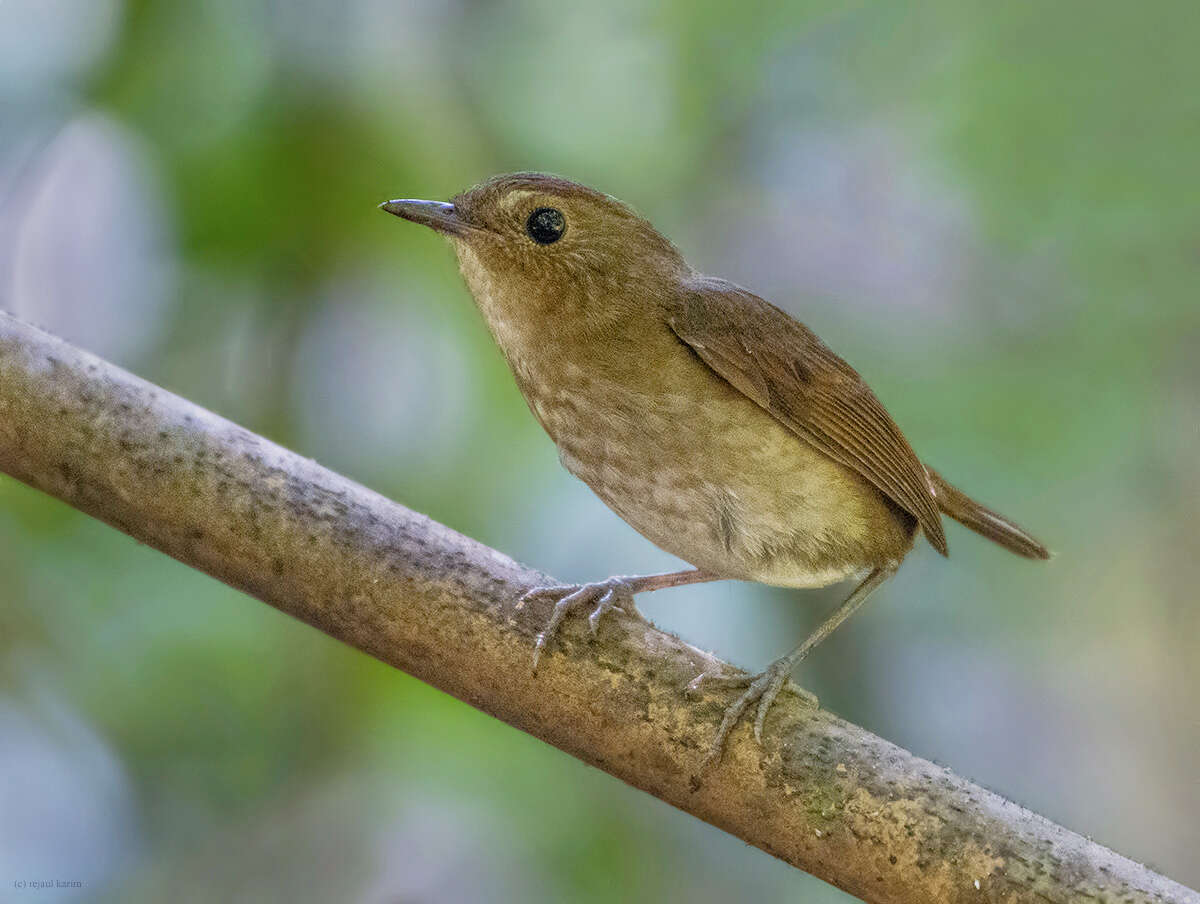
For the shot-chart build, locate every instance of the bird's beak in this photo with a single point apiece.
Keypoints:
(436, 215)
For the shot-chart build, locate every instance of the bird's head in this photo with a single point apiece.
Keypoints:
(533, 245)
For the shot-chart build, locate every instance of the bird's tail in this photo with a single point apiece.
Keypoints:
(969, 513)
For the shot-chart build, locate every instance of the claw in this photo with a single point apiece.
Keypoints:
(539, 592)
(614, 593)
(765, 687)
(537, 650)
(606, 604)
(711, 680)
(770, 692)
(762, 689)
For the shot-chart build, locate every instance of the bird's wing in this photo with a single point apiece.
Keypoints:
(782, 365)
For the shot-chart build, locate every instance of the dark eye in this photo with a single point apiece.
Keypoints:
(545, 225)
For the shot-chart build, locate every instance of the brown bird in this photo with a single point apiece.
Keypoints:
(721, 429)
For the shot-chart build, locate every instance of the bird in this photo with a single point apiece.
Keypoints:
(714, 423)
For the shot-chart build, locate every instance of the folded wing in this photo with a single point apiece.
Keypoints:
(781, 365)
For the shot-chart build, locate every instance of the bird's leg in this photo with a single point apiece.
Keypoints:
(611, 593)
(765, 686)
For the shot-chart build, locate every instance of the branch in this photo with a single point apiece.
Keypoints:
(822, 794)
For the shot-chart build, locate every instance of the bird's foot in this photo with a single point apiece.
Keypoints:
(762, 688)
(601, 596)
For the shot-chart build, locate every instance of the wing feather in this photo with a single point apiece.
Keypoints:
(782, 366)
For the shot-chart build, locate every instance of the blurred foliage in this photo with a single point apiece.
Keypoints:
(990, 209)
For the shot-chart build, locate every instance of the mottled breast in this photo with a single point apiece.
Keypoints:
(687, 460)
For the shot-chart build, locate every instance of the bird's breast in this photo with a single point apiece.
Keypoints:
(687, 460)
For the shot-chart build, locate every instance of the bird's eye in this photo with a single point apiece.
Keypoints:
(545, 225)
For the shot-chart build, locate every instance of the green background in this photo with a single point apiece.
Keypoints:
(991, 209)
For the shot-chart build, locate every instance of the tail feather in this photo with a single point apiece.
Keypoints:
(969, 513)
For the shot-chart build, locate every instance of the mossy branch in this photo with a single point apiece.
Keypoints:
(822, 794)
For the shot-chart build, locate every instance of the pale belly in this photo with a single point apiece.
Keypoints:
(715, 480)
